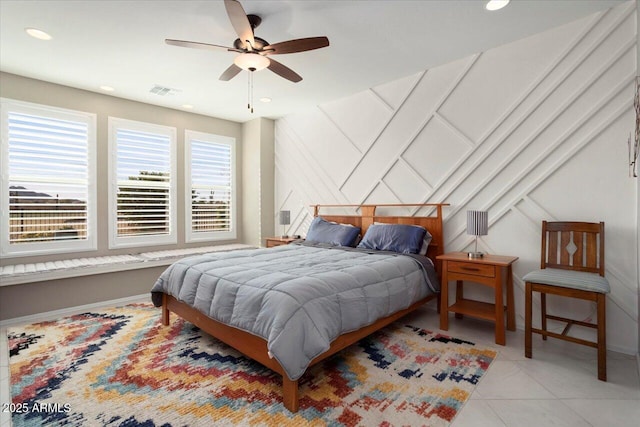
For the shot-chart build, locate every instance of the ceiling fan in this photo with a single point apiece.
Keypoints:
(254, 51)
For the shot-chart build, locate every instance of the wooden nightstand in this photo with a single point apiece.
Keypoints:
(277, 241)
(490, 270)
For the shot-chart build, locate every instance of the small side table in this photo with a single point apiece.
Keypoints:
(272, 242)
(490, 270)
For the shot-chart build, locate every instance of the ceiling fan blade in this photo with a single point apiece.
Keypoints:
(284, 71)
(230, 73)
(240, 22)
(297, 45)
(198, 45)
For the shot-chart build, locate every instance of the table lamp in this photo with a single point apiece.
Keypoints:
(477, 225)
(284, 219)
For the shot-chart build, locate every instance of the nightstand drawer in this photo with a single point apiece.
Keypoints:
(471, 268)
(272, 242)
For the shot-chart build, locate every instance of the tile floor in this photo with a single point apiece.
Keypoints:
(558, 387)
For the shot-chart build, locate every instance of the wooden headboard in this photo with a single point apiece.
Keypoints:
(368, 216)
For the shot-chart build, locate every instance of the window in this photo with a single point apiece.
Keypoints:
(48, 179)
(210, 186)
(142, 184)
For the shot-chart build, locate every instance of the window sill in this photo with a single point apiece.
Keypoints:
(18, 274)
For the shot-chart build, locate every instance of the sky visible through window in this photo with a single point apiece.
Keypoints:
(211, 170)
(48, 156)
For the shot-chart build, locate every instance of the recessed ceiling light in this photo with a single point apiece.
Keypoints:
(496, 4)
(265, 99)
(38, 34)
(187, 106)
(107, 88)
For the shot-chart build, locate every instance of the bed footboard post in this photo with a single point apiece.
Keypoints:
(290, 393)
(165, 311)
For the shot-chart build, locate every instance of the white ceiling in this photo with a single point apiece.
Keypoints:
(121, 44)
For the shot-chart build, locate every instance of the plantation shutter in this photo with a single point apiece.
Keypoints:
(144, 183)
(48, 177)
(210, 186)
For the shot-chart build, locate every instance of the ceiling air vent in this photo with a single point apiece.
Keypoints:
(163, 91)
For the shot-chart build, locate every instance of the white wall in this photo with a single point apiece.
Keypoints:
(533, 130)
(257, 178)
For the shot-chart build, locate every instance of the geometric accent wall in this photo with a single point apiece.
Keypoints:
(531, 130)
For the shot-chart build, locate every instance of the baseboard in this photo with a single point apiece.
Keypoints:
(622, 350)
(629, 351)
(56, 314)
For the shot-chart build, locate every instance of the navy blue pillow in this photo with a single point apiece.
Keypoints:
(401, 238)
(322, 231)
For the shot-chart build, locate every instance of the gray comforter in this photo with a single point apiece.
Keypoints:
(299, 298)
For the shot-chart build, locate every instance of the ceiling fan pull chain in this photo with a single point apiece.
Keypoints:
(249, 92)
(250, 105)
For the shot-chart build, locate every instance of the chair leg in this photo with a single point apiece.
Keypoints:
(527, 320)
(602, 337)
(543, 313)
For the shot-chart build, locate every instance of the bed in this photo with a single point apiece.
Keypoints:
(292, 306)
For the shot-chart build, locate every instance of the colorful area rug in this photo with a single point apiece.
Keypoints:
(121, 367)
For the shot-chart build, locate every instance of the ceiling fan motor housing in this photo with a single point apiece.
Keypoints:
(258, 45)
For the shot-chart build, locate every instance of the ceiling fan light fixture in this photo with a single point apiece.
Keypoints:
(251, 61)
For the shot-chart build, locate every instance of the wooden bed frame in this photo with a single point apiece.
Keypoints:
(256, 347)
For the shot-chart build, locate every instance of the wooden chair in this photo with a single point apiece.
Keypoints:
(572, 265)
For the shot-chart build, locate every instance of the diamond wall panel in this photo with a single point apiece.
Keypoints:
(360, 126)
(393, 93)
(405, 182)
(435, 151)
(497, 80)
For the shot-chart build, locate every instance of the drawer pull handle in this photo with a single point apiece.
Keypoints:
(470, 269)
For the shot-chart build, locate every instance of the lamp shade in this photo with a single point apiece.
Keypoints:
(284, 218)
(251, 61)
(477, 223)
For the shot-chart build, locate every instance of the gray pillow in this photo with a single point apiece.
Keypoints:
(401, 238)
(426, 241)
(323, 231)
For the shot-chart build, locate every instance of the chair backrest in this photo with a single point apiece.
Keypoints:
(573, 246)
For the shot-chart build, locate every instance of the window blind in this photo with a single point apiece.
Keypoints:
(211, 186)
(48, 176)
(144, 183)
